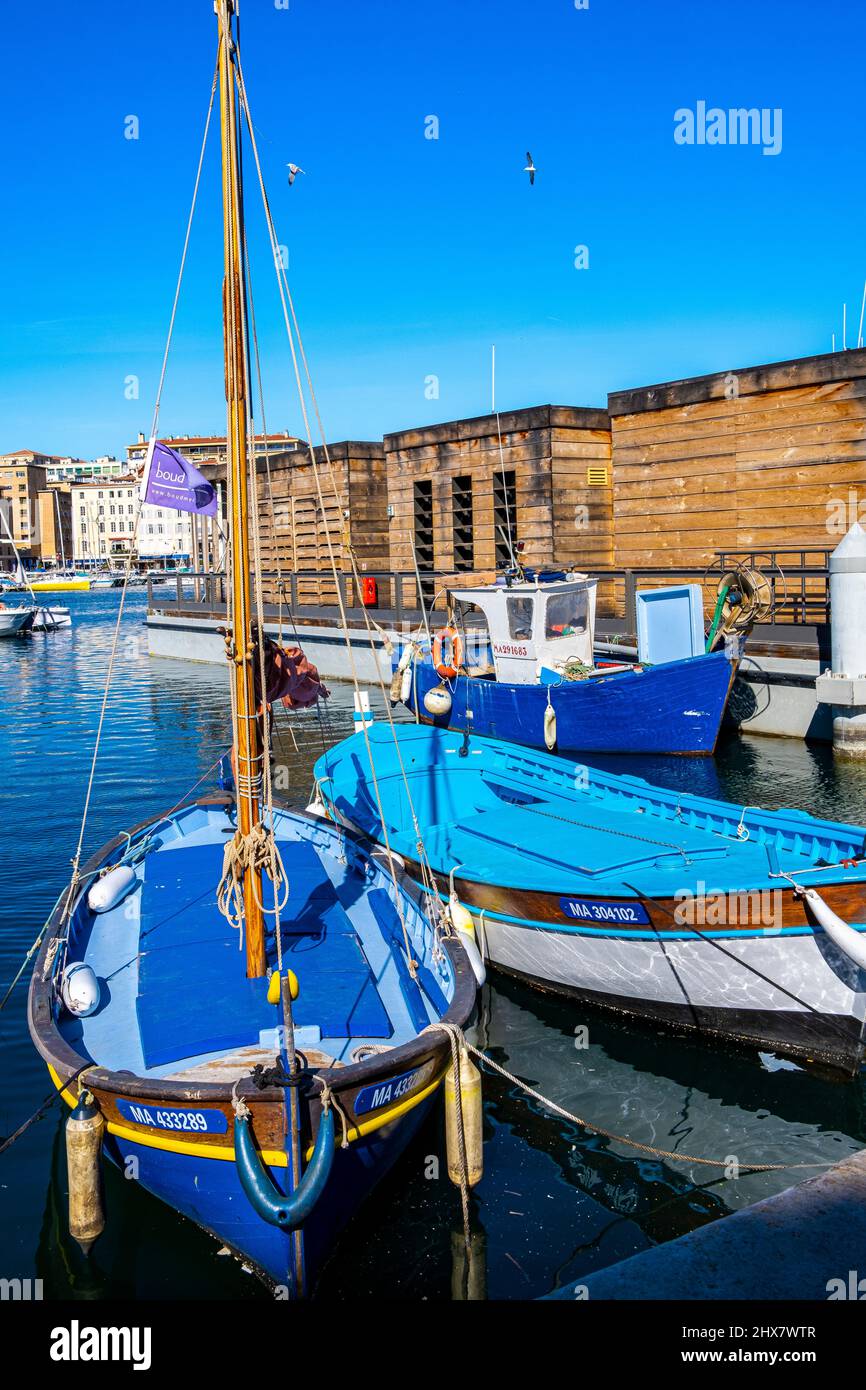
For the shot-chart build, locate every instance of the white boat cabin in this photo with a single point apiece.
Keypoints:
(535, 624)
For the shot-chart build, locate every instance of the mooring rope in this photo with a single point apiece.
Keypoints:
(42, 1109)
(253, 853)
(651, 1149)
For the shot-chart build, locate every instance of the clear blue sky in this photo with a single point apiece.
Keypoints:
(409, 257)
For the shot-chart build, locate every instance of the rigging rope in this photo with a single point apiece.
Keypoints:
(283, 290)
(76, 859)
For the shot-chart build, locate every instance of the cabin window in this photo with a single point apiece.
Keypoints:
(463, 523)
(505, 515)
(520, 618)
(566, 614)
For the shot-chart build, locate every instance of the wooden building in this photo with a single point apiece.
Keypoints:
(456, 496)
(353, 508)
(770, 459)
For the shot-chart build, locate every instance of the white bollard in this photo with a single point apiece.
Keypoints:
(845, 686)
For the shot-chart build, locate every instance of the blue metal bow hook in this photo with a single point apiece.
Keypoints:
(287, 1212)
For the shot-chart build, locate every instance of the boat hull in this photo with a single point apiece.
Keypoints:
(207, 1190)
(51, 619)
(674, 708)
(802, 1001)
(16, 620)
(51, 586)
(785, 989)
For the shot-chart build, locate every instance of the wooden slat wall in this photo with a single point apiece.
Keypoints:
(548, 448)
(294, 530)
(695, 472)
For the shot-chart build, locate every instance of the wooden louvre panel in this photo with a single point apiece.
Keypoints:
(463, 523)
(505, 515)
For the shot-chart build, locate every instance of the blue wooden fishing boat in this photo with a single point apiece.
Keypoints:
(737, 923)
(186, 1057)
(529, 673)
(243, 1004)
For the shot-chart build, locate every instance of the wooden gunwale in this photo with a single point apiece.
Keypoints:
(847, 900)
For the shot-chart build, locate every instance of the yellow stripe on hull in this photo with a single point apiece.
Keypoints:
(42, 586)
(274, 1158)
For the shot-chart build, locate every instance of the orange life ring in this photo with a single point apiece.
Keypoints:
(447, 652)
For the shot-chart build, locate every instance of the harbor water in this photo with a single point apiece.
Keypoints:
(556, 1201)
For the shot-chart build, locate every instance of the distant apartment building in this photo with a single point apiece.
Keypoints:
(22, 478)
(103, 527)
(67, 470)
(54, 523)
(209, 448)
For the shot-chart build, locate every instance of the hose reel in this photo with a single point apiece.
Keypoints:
(745, 595)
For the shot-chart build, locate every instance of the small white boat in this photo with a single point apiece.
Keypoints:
(15, 620)
(50, 619)
(35, 617)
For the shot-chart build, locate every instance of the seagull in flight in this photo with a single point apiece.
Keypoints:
(530, 168)
(294, 170)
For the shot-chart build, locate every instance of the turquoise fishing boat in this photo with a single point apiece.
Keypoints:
(250, 1010)
(740, 924)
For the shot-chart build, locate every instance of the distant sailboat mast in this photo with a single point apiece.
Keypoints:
(248, 752)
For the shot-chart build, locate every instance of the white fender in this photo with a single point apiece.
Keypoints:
(460, 916)
(79, 989)
(846, 938)
(467, 941)
(107, 891)
(437, 701)
(405, 657)
(550, 728)
(406, 684)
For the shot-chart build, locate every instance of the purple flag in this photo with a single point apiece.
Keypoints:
(172, 481)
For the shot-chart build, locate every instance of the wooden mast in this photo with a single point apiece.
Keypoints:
(248, 764)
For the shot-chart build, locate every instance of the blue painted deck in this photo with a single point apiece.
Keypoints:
(174, 989)
(189, 951)
(676, 707)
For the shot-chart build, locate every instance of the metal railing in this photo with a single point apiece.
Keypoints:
(799, 579)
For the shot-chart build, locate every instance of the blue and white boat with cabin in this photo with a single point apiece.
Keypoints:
(517, 661)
